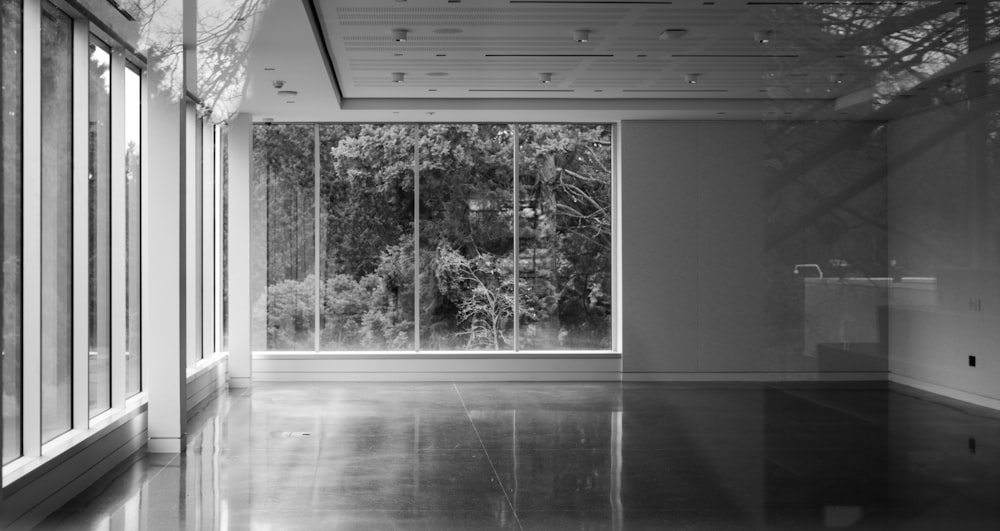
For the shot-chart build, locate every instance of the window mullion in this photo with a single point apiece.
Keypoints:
(317, 303)
(517, 235)
(416, 236)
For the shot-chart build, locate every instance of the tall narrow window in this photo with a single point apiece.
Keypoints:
(133, 249)
(199, 239)
(366, 237)
(57, 222)
(99, 216)
(223, 220)
(285, 176)
(466, 237)
(12, 219)
(564, 183)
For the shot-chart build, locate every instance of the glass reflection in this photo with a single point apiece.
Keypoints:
(12, 192)
(57, 221)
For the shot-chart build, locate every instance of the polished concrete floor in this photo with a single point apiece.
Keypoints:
(436, 456)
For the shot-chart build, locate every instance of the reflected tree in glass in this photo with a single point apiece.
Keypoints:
(57, 221)
(12, 218)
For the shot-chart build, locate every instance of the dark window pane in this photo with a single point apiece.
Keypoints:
(12, 219)
(57, 221)
(366, 256)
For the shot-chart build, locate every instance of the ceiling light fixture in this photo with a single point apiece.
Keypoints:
(397, 77)
(837, 79)
(763, 36)
(581, 35)
(288, 93)
(277, 83)
(545, 78)
(691, 79)
(673, 34)
(399, 35)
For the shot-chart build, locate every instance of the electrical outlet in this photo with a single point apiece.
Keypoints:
(972, 361)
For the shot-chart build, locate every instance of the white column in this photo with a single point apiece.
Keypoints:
(163, 352)
(240, 300)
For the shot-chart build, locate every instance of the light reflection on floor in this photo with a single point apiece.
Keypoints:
(563, 456)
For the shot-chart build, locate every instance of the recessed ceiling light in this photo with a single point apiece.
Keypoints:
(763, 36)
(277, 83)
(581, 35)
(397, 77)
(545, 78)
(836, 79)
(673, 34)
(269, 69)
(691, 79)
(288, 93)
(399, 35)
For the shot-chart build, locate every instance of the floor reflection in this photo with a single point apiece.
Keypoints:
(563, 456)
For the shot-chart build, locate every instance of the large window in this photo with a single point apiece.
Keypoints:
(57, 221)
(11, 191)
(99, 228)
(431, 238)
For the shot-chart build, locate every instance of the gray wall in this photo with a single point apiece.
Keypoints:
(692, 234)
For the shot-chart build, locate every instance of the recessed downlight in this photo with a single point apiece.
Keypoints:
(691, 79)
(671, 34)
(399, 35)
(581, 35)
(288, 93)
(398, 77)
(545, 78)
(763, 36)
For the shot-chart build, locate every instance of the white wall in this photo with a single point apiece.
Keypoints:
(944, 204)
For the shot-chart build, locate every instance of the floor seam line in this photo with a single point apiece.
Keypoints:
(489, 460)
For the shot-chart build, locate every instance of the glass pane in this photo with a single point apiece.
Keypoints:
(564, 183)
(12, 216)
(99, 208)
(57, 221)
(133, 259)
(466, 237)
(224, 220)
(366, 260)
(199, 239)
(284, 180)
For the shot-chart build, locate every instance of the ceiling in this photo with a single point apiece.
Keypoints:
(486, 59)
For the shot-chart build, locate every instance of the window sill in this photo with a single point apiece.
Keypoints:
(57, 450)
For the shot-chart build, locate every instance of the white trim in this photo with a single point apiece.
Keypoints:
(979, 400)
(385, 376)
(163, 445)
(31, 360)
(754, 377)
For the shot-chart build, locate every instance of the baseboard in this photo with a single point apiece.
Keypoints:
(490, 376)
(754, 376)
(979, 400)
